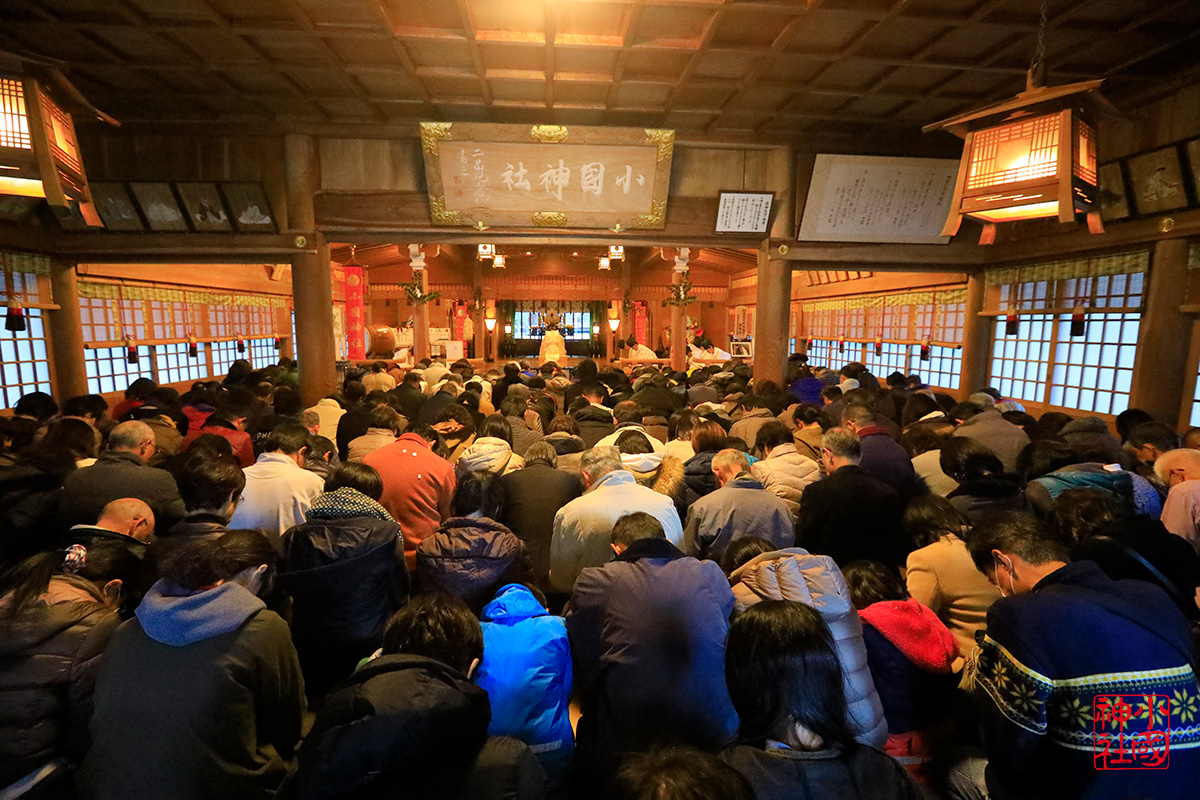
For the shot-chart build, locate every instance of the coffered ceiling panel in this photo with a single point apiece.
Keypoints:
(779, 67)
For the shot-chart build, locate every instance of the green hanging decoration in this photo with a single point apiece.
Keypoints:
(416, 295)
(681, 293)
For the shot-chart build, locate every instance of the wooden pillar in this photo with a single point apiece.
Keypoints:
(771, 318)
(477, 314)
(1159, 380)
(421, 319)
(610, 336)
(678, 329)
(977, 338)
(312, 283)
(493, 347)
(66, 333)
(626, 326)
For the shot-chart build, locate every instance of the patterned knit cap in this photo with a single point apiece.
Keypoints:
(346, 503)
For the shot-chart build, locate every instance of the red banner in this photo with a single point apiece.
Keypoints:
(355, 327)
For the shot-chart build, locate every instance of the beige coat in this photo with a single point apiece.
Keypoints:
(369, 442)
(785, 473)
(943, 577)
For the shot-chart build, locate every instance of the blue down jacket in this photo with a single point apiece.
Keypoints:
(526, 671)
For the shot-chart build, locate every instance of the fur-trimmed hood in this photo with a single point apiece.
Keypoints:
(664, 474)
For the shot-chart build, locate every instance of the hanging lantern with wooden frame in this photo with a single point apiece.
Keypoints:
(1030, 157)
(39, 152)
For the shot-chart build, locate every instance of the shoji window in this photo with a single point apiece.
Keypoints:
(1099, 300)
(176, 366)
(108, 370)
(24, 361)
(262, 353)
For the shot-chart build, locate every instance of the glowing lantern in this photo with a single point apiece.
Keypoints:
(39, 153)
(1027, 158)
(489, 318)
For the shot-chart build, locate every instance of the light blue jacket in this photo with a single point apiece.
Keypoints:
(526, 671)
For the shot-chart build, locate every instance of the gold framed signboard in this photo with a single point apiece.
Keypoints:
(547, 176)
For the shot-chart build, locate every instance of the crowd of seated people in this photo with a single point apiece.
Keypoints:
(538, 582)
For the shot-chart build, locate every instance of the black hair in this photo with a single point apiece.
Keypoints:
(636, 526)
(965, 459)
(246, 550)
(1016, 532)
(436, 626)
(872, 582)
(1159, 434)
(964, 411)
(680, 425)
(78, 406)
(479, 492)
(1082, 513)
(99, 562)
(1129, 419)
(354, 391)
(806, 414)
(286, 402)
(781, 668)
(384, 416)
(679, 773)
(209, 483)
(73, 434)
(586, 370)
(426, 432)
(1043, 457)
(921, 437)
(929, 517)
(38, 405)
(771, 435)
(289, 438)
(355, 475)
(497, 427)
(743, 550)
(591, 389)
(210, 445)
(917, 406)
(735, 443)
(319, 447)
(631, 442)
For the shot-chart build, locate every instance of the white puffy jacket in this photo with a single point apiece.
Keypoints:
(785, 473)
(797, 575)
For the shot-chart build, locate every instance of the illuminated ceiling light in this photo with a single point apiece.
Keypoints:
(486, 251)
(39, 152)
(605, 263)
(498, 261)
(616, 252)
(1030, 157)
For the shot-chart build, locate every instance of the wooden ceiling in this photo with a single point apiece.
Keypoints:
(768, 68)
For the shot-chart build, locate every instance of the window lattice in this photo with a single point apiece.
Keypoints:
(262, 352)
(175, 366)
(108, 371)
(223, 356)
(1020, 363)
(1093, 372)
(1018, 152)
(24, 363)
(893, 358)
(14, 125)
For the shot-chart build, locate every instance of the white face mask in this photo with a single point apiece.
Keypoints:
(1012, 589)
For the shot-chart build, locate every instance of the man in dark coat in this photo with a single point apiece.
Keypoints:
(630, 621)
(651, 393)
(532, 496)
(411, 722)
(121, 471)
(512, 375)
(583, 375)
(850, 515)
(355, 421)
(409, 395)
(595, 419)
(1086, 686)
(740, 507)
(882, 458)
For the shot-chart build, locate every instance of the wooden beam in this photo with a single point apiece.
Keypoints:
(197, 248)
(956, 256)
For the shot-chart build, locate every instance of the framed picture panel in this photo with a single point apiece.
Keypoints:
(205, 209)
(115, 206)
(248, 207)
(1157, 181)
(159, 206)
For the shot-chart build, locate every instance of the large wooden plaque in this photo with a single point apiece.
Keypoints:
(547, 176)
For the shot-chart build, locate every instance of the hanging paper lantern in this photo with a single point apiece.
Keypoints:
(878, 346)
(14, 318)
(1011, 325)
(131, 352)
(241, 344)
(1078, 321)
(278, 342)
(842, 345)
(926, 349)
(193, 348)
